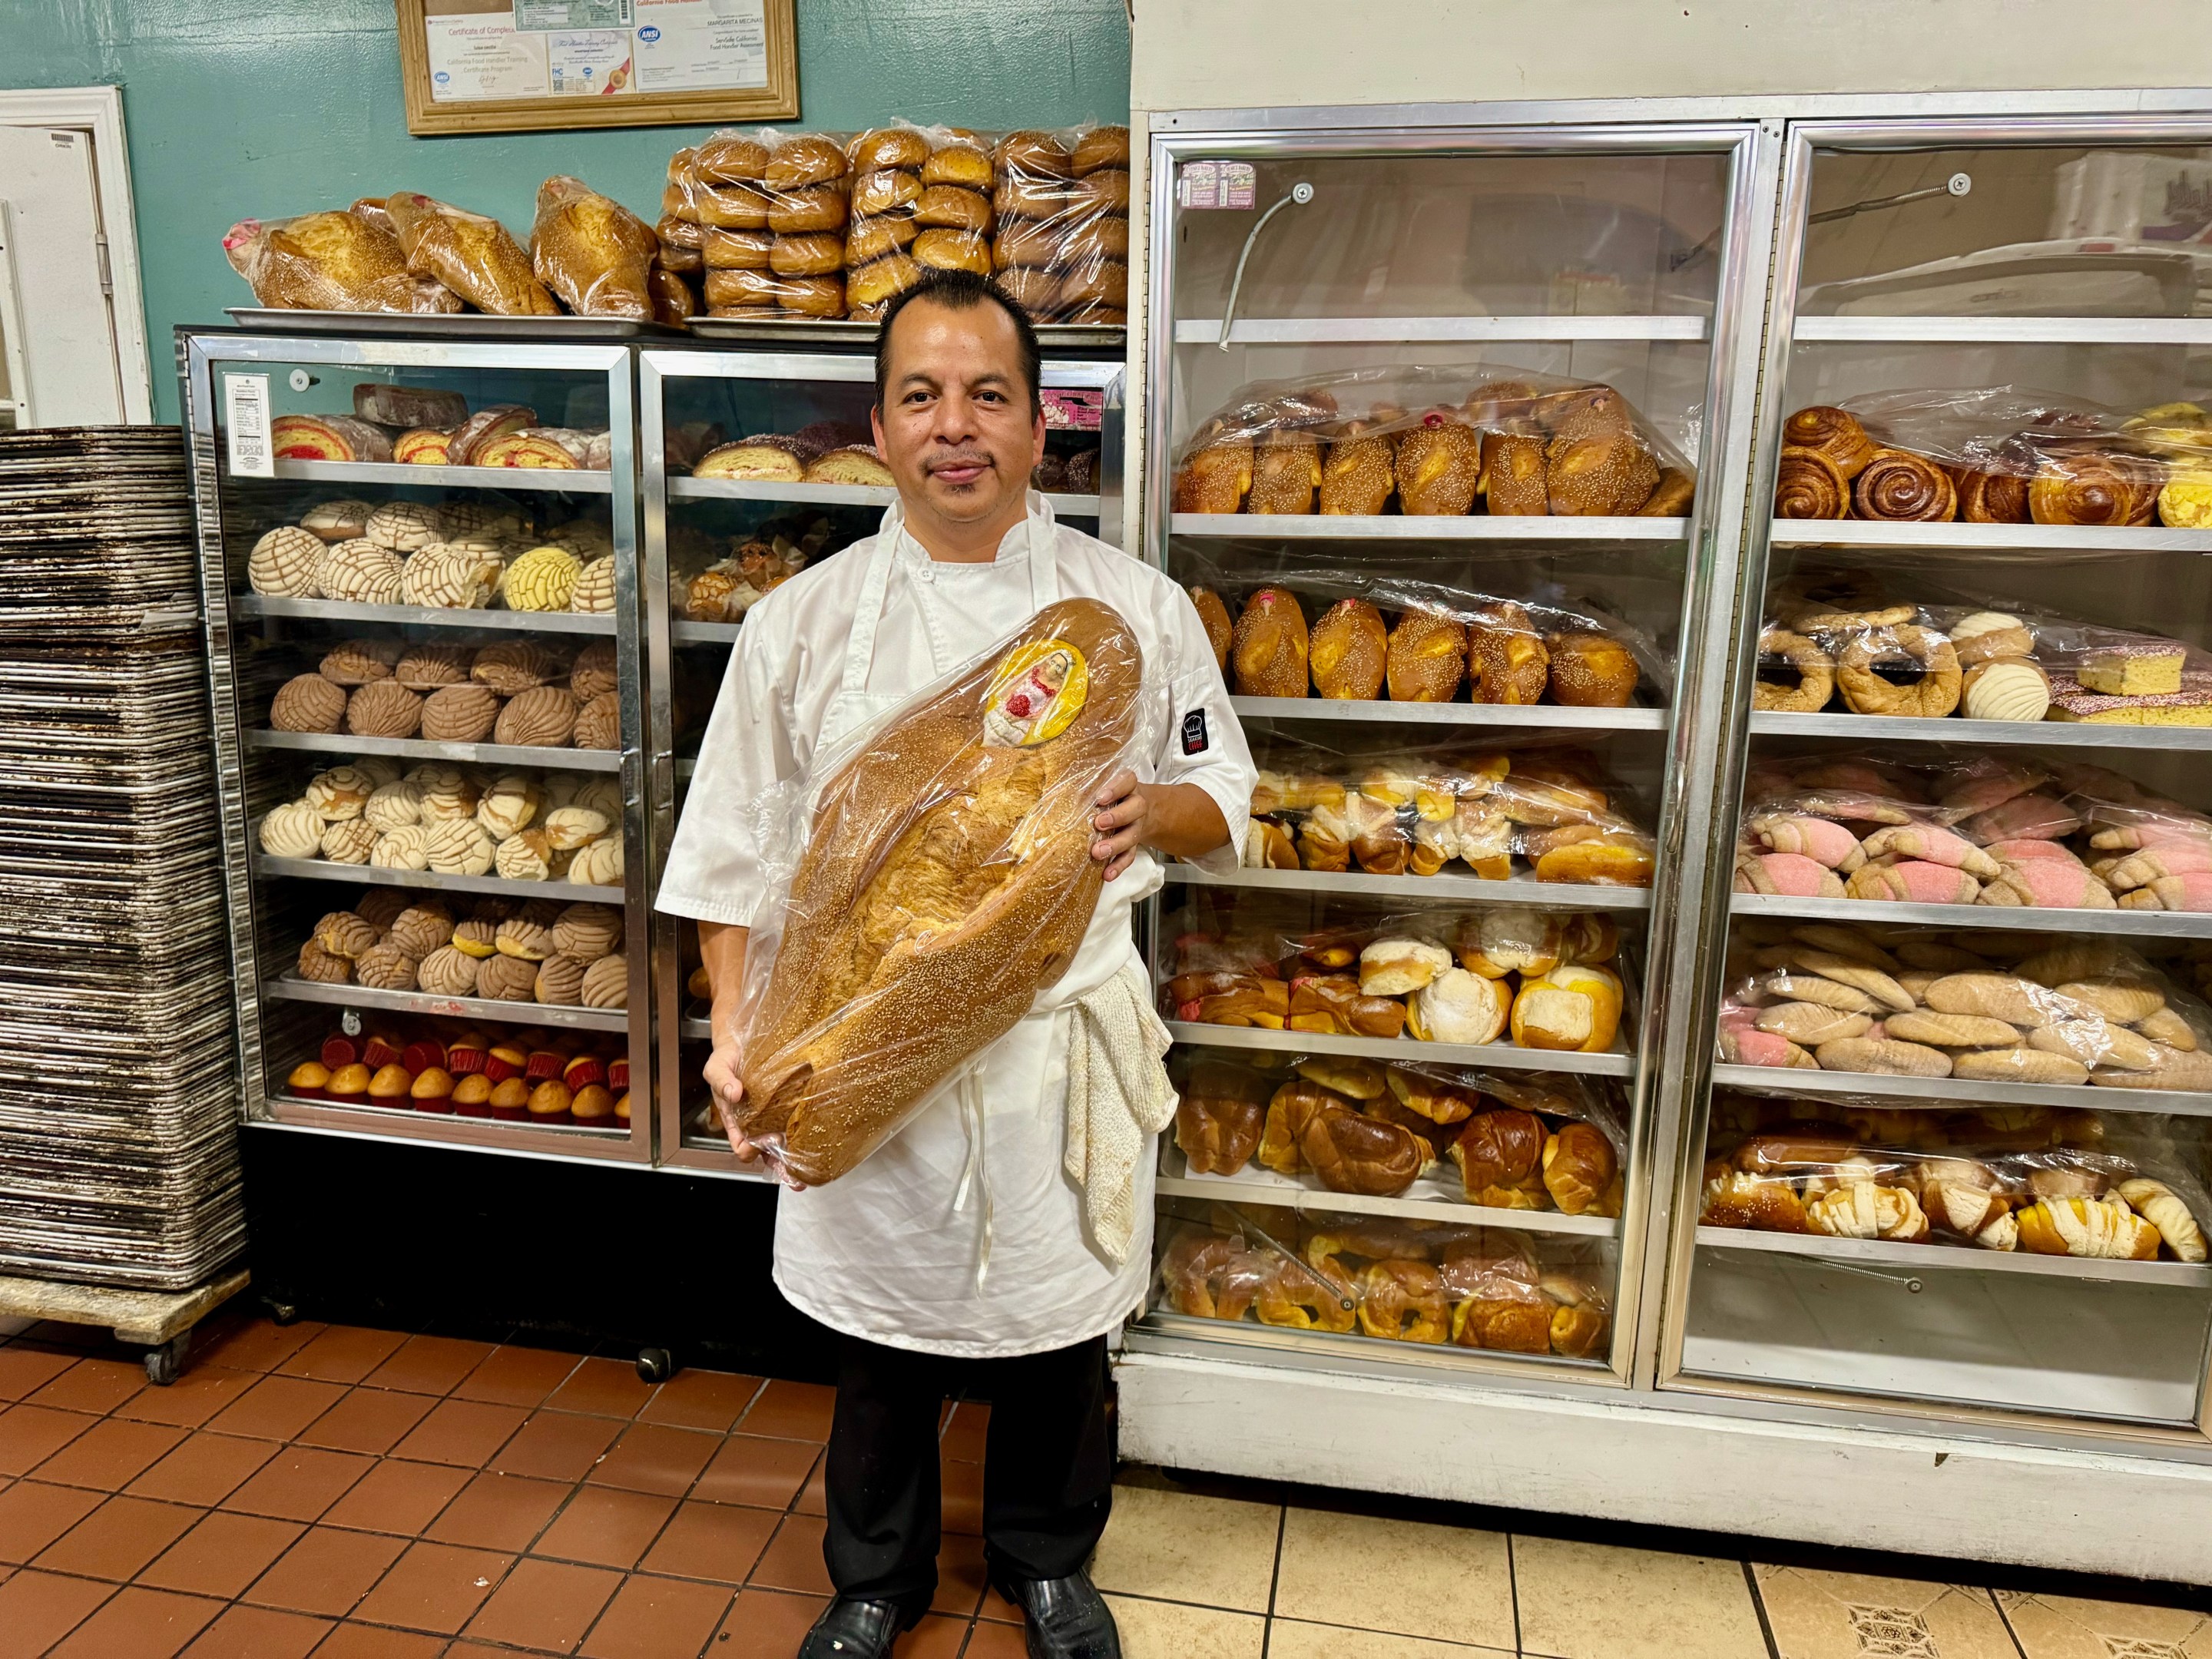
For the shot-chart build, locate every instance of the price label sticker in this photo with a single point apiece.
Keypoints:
(245, 422)
(1216, 184)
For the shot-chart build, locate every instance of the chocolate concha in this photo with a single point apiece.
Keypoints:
(511, 666)
(606, 983)
(360, 572)
(459, 847)
(506, 979)
(307, 703)
(460, 519)
(421, 928)
(594, 592)
(446, 972)
(349, 840)
(407, 847)
(525, 856)
(378, 769)
(293, 830)
(342, 520)
(539, 912)
(427, 667)
(404, 526)
(587, 931)
(393, 806)
(385, 967)
(286, 563)
(594, 672)
(543, 717)
(358, 662)
(598, 723)
(543, 579)
(341, 791)
(598, 863)
(581, 536)
(343, 934)
(460, 713)
(508, 805)
(567, 828)
(560, 981)
(379, 907)
(517, 936)
(385, 709)
(317, 964)
(475, 938)
(450, 578)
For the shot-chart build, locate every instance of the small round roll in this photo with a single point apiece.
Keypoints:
(1036, 291)
(881, 191)
(881, 281)
(968, 166)
(953, 250)
(676, 232)
(730, 207)
(1101, 147)
(818, 207)
(688, 261)
(811, 296)
(1103, 284)
(1097, 316)
(1025, 244)
(1107, 189)
(1035, 154)
(952, 208)
(730, 160)
(874, 313)
(889, 147)
(820, 253)
(801, 162)
(1017, 197)
(872, 237)
(1106, 237)
(743, 288)
(736, 250)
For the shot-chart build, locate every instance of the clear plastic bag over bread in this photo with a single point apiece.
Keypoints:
(1540, 812)
(1431, 441)
(335, 261)
(760, 215)
(470, 253)
(1994, 1005)
(1061, 249)
(930, 878)
(1996, 1178)
(1344, 632)
(1384, 1277)
(1998, 454)
(593, 251)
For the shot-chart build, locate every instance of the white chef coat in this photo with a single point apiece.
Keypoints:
(893, 1251)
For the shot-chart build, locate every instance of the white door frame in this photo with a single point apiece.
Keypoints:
(98, 112)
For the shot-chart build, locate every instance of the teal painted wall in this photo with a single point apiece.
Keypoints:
(246, 107)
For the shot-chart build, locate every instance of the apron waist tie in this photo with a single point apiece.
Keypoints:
(974, 1176)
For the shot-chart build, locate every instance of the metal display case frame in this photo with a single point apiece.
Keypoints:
(204, 357)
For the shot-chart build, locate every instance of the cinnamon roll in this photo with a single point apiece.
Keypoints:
(2092, 486)
(1807, 484)
(1898, 486)
(1836, 434)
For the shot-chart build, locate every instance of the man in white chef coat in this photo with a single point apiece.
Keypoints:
(963, 1251)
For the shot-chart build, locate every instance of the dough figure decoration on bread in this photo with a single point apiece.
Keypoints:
(945, 879)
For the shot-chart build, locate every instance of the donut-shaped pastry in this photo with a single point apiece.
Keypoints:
(1815, 670)
(1901, 488)
(1934, 695)
(1809, 485)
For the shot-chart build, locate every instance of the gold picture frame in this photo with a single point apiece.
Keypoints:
(476, 42)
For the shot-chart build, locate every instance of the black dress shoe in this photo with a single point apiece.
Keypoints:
(857, 1630)
(1064, 1617)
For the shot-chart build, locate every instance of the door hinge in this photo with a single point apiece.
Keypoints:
(106, 272)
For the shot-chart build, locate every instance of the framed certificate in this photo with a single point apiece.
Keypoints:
(539, 65)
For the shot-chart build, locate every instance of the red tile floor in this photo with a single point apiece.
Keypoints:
(361, 1494)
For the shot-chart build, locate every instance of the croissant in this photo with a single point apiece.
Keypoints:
(947, 880)
(331, 262)
(593, 251)
(469, 253)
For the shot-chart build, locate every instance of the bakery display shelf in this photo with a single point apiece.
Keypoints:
(567, 482)
(424, 616)
(2006, 330)
(334, 1113)
(1535, 716)
(1505, 1056)
(455, 325)
(1356, 1351)
(699, 632)
(1861, 1254)
(1538, 895)
(1426, 331)
(2037, 734)
(567, 892)
(482, 754)
(1252, 1185)
(2002, 540)
(820, 495)
(1942, 1093)
(2124, 923)
(691, 1028)
(1395, 527)
(1103, 338)
(291, 987)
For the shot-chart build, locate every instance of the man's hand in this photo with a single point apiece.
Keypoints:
(1121, 827)
(722, 1078)
(1181, 819)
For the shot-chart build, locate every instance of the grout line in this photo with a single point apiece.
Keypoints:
(1513, 1590)
(2005, 1618)
(1758, 1607)
(1274, 1579)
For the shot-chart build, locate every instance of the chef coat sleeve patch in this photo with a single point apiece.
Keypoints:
(1194, 740)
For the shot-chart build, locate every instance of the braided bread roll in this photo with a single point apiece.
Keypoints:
(947, 880)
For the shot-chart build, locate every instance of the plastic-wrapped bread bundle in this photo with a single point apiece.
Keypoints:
(1436, 442)
(766, 211)
(334, 261)
(591, 251)
(935, 875)
(1062, 248)
(471, 254)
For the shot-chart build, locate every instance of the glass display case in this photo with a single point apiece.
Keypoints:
(420, 558)
(724, 523)
(1438, 429)
(1952, 1160)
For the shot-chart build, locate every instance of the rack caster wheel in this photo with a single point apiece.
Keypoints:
(280, 1313)
(655, 1365)
(165, 1362)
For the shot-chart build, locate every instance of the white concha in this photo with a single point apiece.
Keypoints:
(602, 794)
(404, 526)
(361, 573)
(293, 830)
(348, 840)
(524, 857)
(393, 806)
(459, 847)
(598, 863)
(508, 805)
(450, 578)
(286, 563)
(570, 828)
(2005, 691)
(404, 847)
(341, 792)
(594, 590)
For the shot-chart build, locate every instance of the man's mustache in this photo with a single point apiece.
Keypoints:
(958, 458)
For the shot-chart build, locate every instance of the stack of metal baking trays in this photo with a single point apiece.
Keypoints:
(119, 1094)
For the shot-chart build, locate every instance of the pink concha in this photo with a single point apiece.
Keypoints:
(1816, 838)
(1912, 881)
(1925, 841)
(1735, 1016)
(1793, 875)
(2020, 848)
(1753, 1047)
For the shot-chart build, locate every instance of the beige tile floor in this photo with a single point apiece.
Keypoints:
(1223, 1570)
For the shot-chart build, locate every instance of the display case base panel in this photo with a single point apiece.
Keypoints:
(1685, 1464)
(1950, 1334)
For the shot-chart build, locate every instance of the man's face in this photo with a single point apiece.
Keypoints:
(956, 427)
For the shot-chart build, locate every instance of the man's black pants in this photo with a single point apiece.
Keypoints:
(1048, 1470)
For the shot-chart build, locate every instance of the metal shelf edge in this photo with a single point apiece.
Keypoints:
(323, 870)
(1999, 538)
(1541, 894)
(1475, 527)
(1409, 1050)
(1874, 1252)
(1941, 1093)
(1531, 716)
(576, 482)
(483, 754)
(288, 988)
(2123, 924)
(2006, 330)
(424, 616)
(1310, 1199)
(1391, 330)
(818, 494)
(2055, 734)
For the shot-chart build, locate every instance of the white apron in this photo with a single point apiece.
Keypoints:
(963, 1234)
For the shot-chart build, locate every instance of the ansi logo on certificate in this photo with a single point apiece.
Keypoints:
(685, 46)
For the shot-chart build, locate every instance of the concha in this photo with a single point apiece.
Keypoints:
(595, 587)
(530, 940)
(511, 667)
(385, 967)
(598, 863)
(348, 840)
(560, 981)
(459, 847)
(595, 671)
(524, 857)
(286, 563)
(307, 703)
(606, 983)
(317, 964)
(342, 792)
(543, 717)
(421, 928)
(404, 526)
(343, 934)
(543, 578)
(506, 979)
(358, 662)
(450, 578)
(407, 847)
(460, 713)
(569, 827)
(598, 723)
(427, 667)
(384, 709)
(338, 522)
(446, 972)
(293, 830)
(508, 805)
(587, 931)
(360, 572)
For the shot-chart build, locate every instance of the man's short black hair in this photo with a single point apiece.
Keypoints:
(960, 290)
